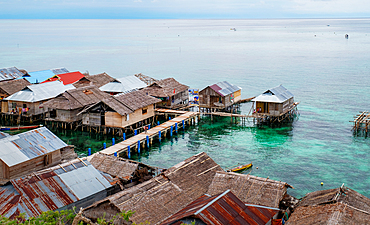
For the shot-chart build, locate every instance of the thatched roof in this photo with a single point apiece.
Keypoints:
(125, 104)
(250, 189)
(165, 88)
(337, 213)
(136, 100)
(114, 166)
(76, 98)
(100, 79)
(12, 86)
(164, 195)
(333, 206)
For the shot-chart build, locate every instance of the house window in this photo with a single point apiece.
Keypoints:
(144, 111)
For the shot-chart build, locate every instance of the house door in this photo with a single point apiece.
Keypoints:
(266, 107)
(102, 118)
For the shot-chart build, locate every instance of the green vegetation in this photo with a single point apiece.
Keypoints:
(64, 217)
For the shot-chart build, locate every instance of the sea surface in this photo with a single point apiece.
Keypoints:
(328, 74)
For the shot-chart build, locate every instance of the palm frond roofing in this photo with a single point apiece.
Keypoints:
(13, 86)
(39, 92)
(277, 94)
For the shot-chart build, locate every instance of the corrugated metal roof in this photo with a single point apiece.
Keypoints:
(124, 85)
(66, 78)
(10, 73)
(39, 92)
(40, 76)
(224, 208)
(28, 145)
(277, 94)
(3, 135)
(51, 189)
(225, 88)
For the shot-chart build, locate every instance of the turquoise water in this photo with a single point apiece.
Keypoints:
(328, 74)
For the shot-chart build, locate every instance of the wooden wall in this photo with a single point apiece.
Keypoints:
(113, 119)
(34, 107)
(1, 169)
(93, 119)
(32, 165)
(205, 96)
(68, 115)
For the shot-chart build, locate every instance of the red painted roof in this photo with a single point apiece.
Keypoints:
(66, 78)
(224, 208)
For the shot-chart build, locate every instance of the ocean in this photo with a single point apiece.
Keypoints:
(328, 74)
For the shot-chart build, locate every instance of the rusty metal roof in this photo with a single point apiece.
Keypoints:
(3, 135)
(51, 189)
(28, 145)
(10, 73)
(224, 208)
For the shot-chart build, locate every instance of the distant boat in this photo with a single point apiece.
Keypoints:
(20, 127)
(233, 29)
(346, 36)
(240, 168)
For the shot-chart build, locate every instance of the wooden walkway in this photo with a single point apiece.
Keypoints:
(362, 121)
(140, 140)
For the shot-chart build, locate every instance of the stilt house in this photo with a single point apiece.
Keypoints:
(169, 91)
(73, 184)
(274, 102)
(67, 105)
(98, 80)
(120, 110)
(221, 95)
(28, 101)
(123, 85)
(9, 87)
(30, 151)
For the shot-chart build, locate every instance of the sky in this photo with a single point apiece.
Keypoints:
(182, 9)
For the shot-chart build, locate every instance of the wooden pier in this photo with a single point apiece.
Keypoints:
(140, 140)
(361, 122)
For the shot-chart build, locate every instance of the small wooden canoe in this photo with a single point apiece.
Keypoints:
(20, 127)
(241, 168)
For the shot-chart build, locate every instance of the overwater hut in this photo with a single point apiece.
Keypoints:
(66, 106)
(224, 208)
(97, 80)
(66, 78)
(73, 184)
(37, 77)
(27, 101)
(11, 73)
(120, 110)
(123, 85)
(274, 102)
(333, 206)
(162, 196)
(250, 189)
(130, 172)
(9, 87)
(30, 151)
(221, 95)
(170, 92)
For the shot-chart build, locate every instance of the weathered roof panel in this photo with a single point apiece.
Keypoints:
(51, 189)
(224, 208)
(28, 145)
(13, 86)
(91, 182)
(10, 73)
(224, 88)
(3, 135)
(277, 94)
(39, 92)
